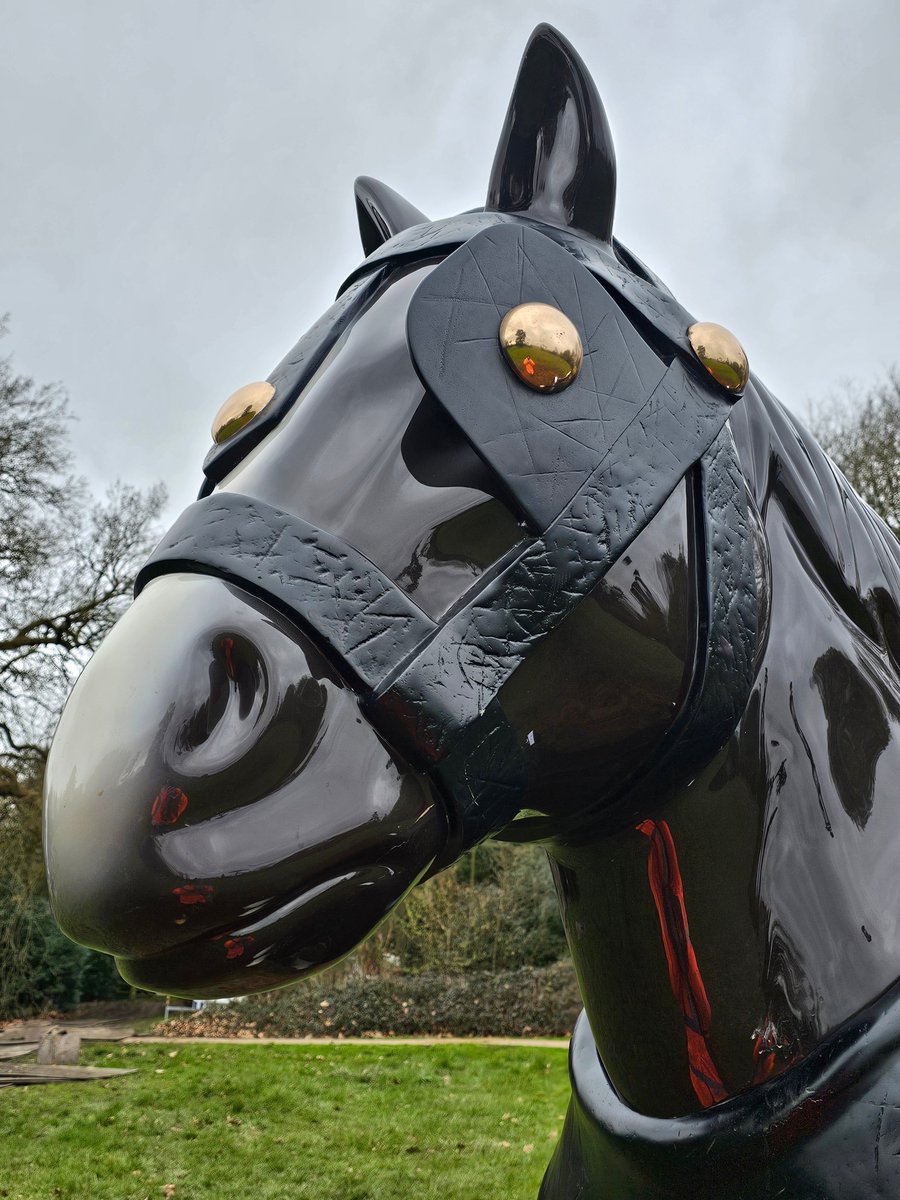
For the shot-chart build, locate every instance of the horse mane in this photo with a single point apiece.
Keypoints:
(842, 540)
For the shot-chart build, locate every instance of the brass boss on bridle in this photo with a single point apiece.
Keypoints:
(587, 455)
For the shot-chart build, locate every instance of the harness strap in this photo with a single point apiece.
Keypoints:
(294, 373)
(725, 662)
(357, 614)
(636, 422)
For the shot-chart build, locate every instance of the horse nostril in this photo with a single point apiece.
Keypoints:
(244, 668)
(184, 795)
(236, 692)
(249, 706)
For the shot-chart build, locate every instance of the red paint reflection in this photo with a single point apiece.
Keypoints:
(228, 650)
(236, 946)
(193, 893)
(168, 806)
(684, 973)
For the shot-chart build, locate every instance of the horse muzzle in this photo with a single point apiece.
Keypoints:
(219, 814)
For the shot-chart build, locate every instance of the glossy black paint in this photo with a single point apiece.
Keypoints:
(555, 159)
(657, 632)
(293, 375)
(786, 840)
(382, 212)
(638, 418)
(212, 788)
(338, 464)
(828, 1128)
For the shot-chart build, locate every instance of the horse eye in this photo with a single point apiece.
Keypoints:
(240, 407)
(721, 353)
(542, 346)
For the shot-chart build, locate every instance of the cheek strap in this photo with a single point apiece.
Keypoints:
(729, 633)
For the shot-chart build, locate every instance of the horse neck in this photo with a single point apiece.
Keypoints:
(754, 910)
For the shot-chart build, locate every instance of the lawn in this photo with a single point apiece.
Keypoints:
(268, 1122)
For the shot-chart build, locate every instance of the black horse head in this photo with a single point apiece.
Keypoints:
(446, 584)
(418, 597)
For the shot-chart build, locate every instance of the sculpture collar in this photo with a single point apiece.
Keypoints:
(826, 1128)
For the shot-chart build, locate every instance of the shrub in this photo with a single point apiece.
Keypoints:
(496, 910)
(40, 968)
(529, 1002)
(100, 979)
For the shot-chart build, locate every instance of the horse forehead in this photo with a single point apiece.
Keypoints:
(612, 263)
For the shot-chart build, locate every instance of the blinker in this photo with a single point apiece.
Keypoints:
(240, 407)
(721, 353)
(541, 346)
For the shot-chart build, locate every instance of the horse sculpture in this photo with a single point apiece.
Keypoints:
(579, 580)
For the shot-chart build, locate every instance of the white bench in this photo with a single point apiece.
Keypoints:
(189, 1006)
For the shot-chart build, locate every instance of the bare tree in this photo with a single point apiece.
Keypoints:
(67, 562)
(862, 435)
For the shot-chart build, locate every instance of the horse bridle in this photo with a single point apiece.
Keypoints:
(646, 416)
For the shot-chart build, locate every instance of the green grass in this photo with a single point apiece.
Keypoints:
(545, 364)
(376, 1122)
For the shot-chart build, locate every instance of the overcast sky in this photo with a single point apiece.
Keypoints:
(176, 202)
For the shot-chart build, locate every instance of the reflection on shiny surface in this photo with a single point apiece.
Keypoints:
(210, 784)
(786, 844)
(542, 346)
(230, 822)
(603, 689)
(555, 159)
(857, 715)
(338, 462)
(241, 407)
(220, 815)
(721, 353)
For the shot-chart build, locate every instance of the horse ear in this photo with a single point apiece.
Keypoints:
(555, 159)
(382, 212)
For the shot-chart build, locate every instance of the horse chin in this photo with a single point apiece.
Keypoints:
(218, 813)
(305, 934)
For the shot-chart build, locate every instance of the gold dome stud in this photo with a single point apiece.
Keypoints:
(240, 407)
(542, 346)
(721, 353)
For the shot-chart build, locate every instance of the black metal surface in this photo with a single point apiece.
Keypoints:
(684, 663)
(555, 159)
(359, 615)
(382, 212)
(827, 1128)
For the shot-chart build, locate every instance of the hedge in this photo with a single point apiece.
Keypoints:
(40, 968)
(529, 1002)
